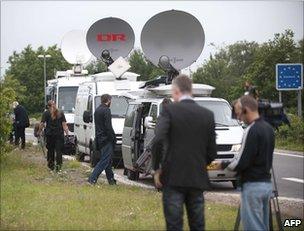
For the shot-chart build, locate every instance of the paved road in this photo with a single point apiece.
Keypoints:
(288, 172)
(289, 175)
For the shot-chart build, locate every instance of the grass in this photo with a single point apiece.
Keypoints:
(34, 198)
(287, 145)
(73, 164)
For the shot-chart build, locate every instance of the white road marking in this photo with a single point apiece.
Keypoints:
(290, 155)
(294, 179)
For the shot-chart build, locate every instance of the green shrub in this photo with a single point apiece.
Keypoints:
(292, 135)
(7, 96)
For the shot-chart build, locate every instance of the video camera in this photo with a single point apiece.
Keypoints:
(272, 112)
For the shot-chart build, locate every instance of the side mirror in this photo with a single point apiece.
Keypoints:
(149, 123)
(87, 117)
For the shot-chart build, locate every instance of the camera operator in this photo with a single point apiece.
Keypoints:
(253, 165)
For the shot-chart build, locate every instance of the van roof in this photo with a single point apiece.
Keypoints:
(116, 87)
(109, 76)
(160, 99)
(69, 81)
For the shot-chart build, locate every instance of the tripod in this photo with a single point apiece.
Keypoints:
(274, 201)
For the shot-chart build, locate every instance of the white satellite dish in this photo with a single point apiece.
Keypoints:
(174, 34)
(74, 48)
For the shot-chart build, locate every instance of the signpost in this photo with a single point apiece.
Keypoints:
(289, 77)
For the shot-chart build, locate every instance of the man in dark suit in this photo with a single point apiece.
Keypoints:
(21, 122)
(189, 130)
(105, 140)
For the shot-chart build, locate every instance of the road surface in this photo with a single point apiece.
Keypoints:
(288, 169)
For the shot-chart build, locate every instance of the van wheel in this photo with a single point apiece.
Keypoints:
(132, 175)
(234, 184)
(79, 155)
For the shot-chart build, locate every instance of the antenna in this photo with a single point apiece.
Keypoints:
(110, 38)
(172, 40)
(74, 48)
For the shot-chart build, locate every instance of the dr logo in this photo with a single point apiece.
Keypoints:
(109, 37)
(292, 222)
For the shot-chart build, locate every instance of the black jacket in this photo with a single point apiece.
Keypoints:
(103, 126)
(53, 126)
(21, 117)
(189, 130)
(255, 157)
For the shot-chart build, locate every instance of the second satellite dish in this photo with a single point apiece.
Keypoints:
(74, 48)
(175, 34)
(111, 37)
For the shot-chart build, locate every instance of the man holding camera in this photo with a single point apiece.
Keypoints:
(253, 165)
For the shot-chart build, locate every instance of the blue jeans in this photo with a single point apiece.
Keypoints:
(255, 205)
(105, 163)
(174, 199)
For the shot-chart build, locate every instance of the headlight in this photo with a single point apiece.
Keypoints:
(236, 147)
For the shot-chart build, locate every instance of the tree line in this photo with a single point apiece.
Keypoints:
(227, 69)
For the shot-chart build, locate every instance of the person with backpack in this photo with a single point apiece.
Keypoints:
(55, 126)
(21, 122)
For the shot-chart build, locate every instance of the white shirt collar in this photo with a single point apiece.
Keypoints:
(185, 97)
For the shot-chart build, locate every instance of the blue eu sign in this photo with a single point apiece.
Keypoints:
(289, 76)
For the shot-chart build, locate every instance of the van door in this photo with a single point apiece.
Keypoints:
(88, 126)
(81, 105)
(128, 135)
(153, 112)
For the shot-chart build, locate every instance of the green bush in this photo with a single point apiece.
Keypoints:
(293, 135)
(7, 96)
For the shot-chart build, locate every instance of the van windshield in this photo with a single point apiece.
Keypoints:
(67, 99)
(221, 111)
(118, 107)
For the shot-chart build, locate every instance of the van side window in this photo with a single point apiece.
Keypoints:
(90, 104)
(130, 115)
(153, 112)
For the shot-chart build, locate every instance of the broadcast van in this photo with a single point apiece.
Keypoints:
(141, 118)
(88, 99)
(63, 90)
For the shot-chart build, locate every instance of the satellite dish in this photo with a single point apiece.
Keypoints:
(112, 37)
(175, 34)
(74, 48)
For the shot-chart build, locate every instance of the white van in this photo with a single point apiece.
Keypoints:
(63, 90)
(139, 130)
(88, 99)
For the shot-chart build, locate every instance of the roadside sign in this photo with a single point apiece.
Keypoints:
(289, 76)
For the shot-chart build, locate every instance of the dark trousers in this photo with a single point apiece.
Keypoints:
(105, 163)
(54, 144)
(174, 199)
(20, 133)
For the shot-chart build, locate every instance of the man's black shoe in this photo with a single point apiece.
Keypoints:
(91, 183)
(112, 182)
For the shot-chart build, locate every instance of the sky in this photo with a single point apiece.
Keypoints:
(44, 23)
